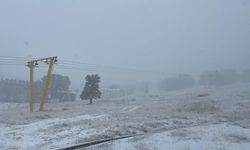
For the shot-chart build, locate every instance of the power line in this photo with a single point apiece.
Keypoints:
(75, 65)
(113, 67)
(14, 57)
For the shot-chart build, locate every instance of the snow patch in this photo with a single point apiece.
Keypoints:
(39, 134)
(212, 137)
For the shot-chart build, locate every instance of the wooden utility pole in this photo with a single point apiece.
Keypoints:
(46, 84)
(32, 64)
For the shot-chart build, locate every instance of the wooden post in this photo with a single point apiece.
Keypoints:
(46, 84)
(31, 66)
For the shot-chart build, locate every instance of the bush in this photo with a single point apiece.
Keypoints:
(246, 76)
(219, 78)
(203, 107)
(176, 83)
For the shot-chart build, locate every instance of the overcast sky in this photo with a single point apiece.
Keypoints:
(173, 36)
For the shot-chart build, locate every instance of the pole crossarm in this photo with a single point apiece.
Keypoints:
(32, 64)
(43, 60)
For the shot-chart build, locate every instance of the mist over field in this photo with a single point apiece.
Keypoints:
(164, 36)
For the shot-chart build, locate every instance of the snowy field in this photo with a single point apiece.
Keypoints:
(193, 119)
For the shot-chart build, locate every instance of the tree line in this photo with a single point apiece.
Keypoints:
(208, 78)
(12, 90)
(18, 90)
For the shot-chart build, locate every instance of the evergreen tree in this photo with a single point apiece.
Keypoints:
(91, 88)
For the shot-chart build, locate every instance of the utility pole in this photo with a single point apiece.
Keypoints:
(50, 61)
(32, 64)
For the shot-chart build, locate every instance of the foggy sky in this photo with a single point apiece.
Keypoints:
(172, 36)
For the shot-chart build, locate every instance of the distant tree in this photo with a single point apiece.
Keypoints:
(91, 88)
(59, 86)
(219, 77)
(14, 90)
(246, 76)
(181, 81)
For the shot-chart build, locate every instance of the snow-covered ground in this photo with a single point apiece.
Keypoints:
(209, 137)
(199, 118)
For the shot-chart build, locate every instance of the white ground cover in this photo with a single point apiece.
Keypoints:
(44, 134)
(199, 118)
(211, 137)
